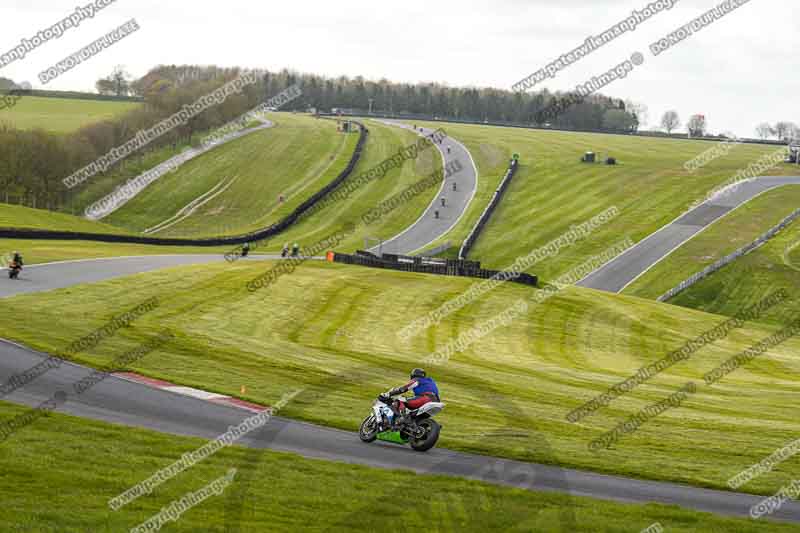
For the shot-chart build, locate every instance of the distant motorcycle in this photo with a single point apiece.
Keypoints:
(13, 271)
(417, 428)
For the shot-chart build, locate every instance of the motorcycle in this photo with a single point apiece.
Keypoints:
(13, 271)
(417, 428)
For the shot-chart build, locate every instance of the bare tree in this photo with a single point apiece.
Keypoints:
(105, 86)
(783, 130)
(793, 132)
(764, 131)
(670, 121)
(697, 126)
(117, 83)
(639, 111)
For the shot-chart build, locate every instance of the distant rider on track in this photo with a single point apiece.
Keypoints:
(15, 266)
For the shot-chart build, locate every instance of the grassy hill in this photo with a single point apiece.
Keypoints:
(325, 321)
(61, 115)
(384, 142)
(551, 192)
(737, 229)
(18, 217)
(94, 462)
(554, 190)
(295, 158)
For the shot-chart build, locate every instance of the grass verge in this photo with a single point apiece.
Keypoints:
(59, 474)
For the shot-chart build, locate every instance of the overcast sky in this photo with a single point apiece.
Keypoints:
(739, 71)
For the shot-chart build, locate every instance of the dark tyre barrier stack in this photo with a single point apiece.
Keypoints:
(487, 213)
(265, 233)
(429, 265)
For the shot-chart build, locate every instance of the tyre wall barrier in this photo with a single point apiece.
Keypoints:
(728, 259)
(428, 265)
(487, 213)
(271, 231)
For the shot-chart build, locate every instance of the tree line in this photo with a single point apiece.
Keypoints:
(697, 126)
(33, 163)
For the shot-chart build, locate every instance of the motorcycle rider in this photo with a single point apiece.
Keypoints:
(16, 261)
(424, 389)
(285, 250)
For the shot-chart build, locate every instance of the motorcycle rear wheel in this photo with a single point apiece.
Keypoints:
(369, 429)
(428, 441)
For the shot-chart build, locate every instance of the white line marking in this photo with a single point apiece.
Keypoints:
(196, 393)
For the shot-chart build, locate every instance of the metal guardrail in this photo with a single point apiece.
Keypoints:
(729, 258)
(487, 213)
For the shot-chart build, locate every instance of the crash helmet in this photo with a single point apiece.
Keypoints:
(417, 373)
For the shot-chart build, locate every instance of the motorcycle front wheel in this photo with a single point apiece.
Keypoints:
(430, 435)
(369, 429)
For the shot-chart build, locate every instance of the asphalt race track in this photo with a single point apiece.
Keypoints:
(428, 228)
(121, 401)
(616, 275)
(49, 276)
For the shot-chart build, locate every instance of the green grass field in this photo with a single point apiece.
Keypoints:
(554, 190)
(273, 149)
(66, 488)
(295, 158)
(737, 229)
(331, 329)
(551, 192)
(384, 142)
(102, 184)
(19, 217)
(44, 251)
(62, 115)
